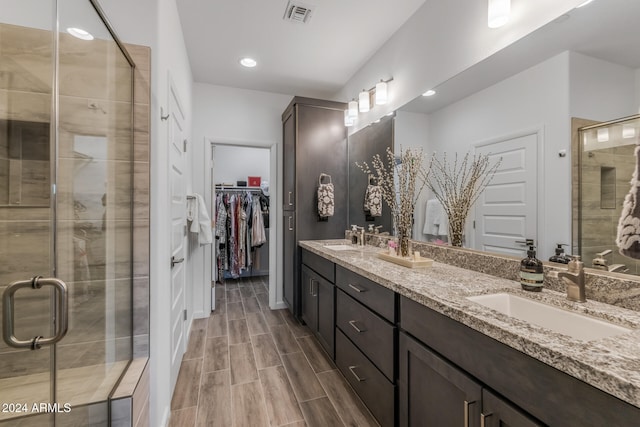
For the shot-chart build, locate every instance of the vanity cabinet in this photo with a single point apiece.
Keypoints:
(318, 298)
(366, 341)
(538, 391)
(434, 392)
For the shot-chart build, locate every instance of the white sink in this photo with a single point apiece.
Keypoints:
(341, 247)
(566, 322)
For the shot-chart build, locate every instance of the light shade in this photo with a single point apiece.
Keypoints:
(363, 101)
(381, 93)
(498, 13)
(602, 135)
(348, 120)
(353, 108)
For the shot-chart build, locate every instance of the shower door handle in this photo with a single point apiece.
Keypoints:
(61, 315)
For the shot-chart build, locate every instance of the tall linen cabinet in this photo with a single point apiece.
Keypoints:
(314, 142)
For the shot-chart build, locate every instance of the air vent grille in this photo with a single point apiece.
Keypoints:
(298, 12)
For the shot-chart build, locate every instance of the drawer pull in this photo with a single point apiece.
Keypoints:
(352, 369)
(357, 289)
(354, 326)
(483, 419)
(466, 412)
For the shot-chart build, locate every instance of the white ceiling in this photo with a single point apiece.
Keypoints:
(315, 59)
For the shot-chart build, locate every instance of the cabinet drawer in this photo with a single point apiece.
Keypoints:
(370, 332)
(376, 297)
(373, 388)
(320, 265)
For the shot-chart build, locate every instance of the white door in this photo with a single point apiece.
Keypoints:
(178, 233)
(506, 212)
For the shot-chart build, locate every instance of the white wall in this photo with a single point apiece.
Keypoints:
(155, 23)
(601, 90)
(234, 163)
(225, 115)
(440, 40)
(638, 90)
(533, 99)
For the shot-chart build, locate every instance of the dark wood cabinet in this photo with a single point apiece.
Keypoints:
(433, 392)
(317, 295)
(314, 142)
(497, 412)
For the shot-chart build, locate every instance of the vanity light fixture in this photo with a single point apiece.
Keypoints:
(348, 120)
(248, 62)
(381, 93)
(602, 135)
(583, 4)
(80, 33)
(363, 101)
(430, 92)
(353, 109)
(498, 13)
(628, 131)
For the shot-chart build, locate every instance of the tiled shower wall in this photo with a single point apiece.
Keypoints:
(25, 85)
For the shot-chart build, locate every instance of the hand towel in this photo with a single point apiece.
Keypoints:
(373, 200)
(325, 197)
(436, 221)
(200, 220)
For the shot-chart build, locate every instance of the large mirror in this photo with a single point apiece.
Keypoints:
(518, 105)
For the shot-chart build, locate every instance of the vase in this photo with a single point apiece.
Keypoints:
(456, 231)
(403, 243)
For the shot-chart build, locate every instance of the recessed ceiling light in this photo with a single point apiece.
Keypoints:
(248, 62)
(391, 113)
(80, 33)
(583, 4)
(430, 92)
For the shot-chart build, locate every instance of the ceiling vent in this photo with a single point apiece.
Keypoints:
(298, 12)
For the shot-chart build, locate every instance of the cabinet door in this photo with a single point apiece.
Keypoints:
(432, 392)
(497, 412)
(289, 262)
(289, 161)
(326, 315)
(309, 298)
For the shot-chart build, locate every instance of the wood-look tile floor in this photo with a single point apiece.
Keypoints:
(247, 365)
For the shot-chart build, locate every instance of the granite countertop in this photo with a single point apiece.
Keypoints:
(610, 364)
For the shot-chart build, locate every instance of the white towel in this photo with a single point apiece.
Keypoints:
(200, 221)
(435, 219)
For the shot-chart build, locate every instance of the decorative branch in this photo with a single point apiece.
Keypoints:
(457, 186)
(401, 181)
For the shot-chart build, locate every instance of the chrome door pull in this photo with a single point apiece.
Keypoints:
(357, 289)
(61, 319)
(175, 261)
(354, 326)
(353, 371)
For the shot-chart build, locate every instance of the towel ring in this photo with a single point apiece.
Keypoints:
(323, 175)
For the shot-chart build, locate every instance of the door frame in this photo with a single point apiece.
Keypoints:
(538, 131)
(275, 242)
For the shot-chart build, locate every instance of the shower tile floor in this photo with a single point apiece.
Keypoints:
(247, 365)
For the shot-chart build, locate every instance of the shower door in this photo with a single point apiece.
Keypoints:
(66, 271)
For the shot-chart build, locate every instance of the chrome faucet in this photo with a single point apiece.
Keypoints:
(573, 278)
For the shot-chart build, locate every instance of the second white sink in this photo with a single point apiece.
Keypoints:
(341, 247)
(566, 322)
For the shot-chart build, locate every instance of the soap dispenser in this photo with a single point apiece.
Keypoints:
(560, 256)
(531, 272)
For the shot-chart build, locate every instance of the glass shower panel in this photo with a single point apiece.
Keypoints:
(94, 211)
(607, 163)
(26, 76)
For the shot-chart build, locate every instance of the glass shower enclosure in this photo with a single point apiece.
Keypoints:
(66, 138)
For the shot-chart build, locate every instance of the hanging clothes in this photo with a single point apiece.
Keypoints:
(239, 230)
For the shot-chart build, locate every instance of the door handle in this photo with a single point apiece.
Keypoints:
(357, 289)
(353, 371)
(290, 225)
(354, 326)
(61, 314)
(290, 203)
(466, 412)
(483, 419)
(175, 261)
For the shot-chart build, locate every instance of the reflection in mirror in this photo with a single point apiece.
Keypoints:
(519, 104)
(362, 146)
(607, 164)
